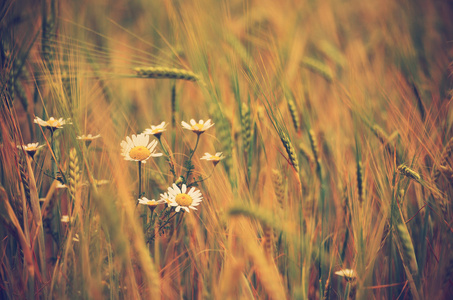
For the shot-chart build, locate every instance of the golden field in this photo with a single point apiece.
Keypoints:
(226, 149)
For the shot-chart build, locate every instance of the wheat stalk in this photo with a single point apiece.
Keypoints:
(408, 172)
(446, 152)
(168, 73)
(246, 126)
(292, 155)
(294, 113)
(74, 172)
(319, 67)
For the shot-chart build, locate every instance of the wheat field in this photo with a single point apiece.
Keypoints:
(207, 149)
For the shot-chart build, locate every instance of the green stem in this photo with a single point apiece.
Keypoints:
(140, 193)
(170, 163)
(190, 158)
(201, 180)
(139, 179)
(163, 225)
(162, 146)
(195, 148)
(54, 163)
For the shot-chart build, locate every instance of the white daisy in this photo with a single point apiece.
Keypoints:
(166, 198)
(348, 274)
(30, 148)
(51, 124)
(156, 130)
(88, 138)
(183, 199)
(138, 149)
(76, 238)
(61, 185)
(101, 182)
(214, 158)
(199, 127)
(66, 219)
(152, 203)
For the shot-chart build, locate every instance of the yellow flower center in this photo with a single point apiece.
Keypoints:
(53, 123)
(183, 199)
(214, 158)
(152, 203)
(139, 153)
(197, 127)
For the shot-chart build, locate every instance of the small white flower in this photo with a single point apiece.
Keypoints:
(199, 127)
(214, 158)
(65, 219)
(183, 199)
(156, 130)
(88, 137)
(101, 182)
(166, 198)
(137, 148)
(61, 185)
(76, 238)
(348, 274)
(146, 201)
(30, 148)
(51, 124)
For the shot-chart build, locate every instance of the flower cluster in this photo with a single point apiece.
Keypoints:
(180, 198)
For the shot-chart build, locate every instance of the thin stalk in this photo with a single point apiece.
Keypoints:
(190, 157)
(144, 216)
(173, 113)
(163, 225)
(195, 148)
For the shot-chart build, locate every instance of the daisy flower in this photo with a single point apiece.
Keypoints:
(199, 127)
(348, 274)
(181, 198)
(51, 124)
(137, 148)
(61, 185)
(88, 138)
(30, 148)
(101, 182)
(214, 158)
(66, 219)
(156, 130)
(153, 203)
(165, 198)
(76, 238)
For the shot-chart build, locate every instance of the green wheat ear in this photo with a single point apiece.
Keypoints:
(294, 113)
(292, 155)
(318, 67)
(166, 73)
(246, 126)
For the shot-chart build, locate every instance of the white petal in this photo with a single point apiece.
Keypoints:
(178, 209)
(184, 188)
